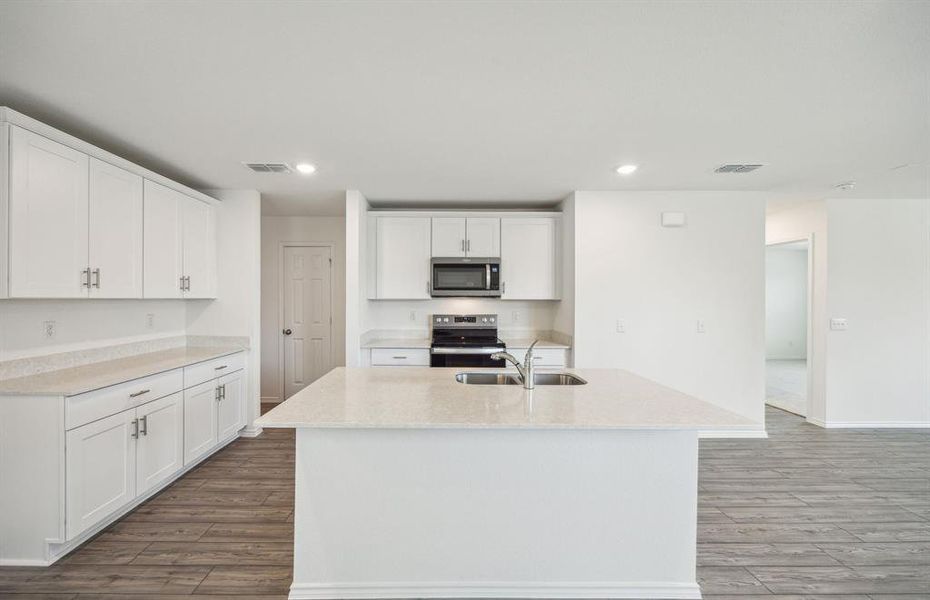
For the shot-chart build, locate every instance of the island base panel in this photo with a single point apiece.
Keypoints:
(490, 513)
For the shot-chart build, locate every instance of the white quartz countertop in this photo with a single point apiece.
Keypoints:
(414, 397)
(86, 378)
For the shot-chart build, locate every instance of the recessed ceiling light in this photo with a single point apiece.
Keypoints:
(305, 168)
(626, 169)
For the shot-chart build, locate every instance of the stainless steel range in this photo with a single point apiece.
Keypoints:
(465, 341)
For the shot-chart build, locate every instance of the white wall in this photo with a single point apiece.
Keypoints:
(661, 281)
(276, 231)
(878, 371)
(236, 310)
(809, 220)
(786, 302)
(356, 274)
(83, 324)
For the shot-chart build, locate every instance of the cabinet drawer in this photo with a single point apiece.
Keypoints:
(400, 357)
(84, 408)
(211, 369)
(542, 357)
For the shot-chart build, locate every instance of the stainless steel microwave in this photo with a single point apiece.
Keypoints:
(465, 277)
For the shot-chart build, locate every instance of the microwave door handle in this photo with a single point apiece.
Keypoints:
(487, 276)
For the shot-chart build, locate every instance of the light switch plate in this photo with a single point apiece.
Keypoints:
(674, 219)
(700, 326)
(839, 324)
(621, 326)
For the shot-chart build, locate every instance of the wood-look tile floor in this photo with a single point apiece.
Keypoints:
(809, 514)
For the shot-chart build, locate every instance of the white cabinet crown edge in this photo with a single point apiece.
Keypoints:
(8, 115)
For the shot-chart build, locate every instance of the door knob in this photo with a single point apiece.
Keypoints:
(287, 332)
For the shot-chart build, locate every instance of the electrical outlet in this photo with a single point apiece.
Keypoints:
(700, 326)
(49, 327)
(413, 315)
(621, 326)
(515, 317)
(839, 324)
(150, 321)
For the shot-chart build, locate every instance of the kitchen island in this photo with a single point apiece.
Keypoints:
(410, 484)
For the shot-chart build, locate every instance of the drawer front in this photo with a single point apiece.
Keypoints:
(400, 357)
(543, 357)
(84, 408)
(211, 369)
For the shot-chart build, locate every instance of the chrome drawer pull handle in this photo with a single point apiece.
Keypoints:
(220, 367)
(398, 357)
(139, 393)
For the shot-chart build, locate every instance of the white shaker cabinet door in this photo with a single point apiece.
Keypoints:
(199, 248)
(48, 218)
(115, 241)
(529, 258)
(162, 241)
(230, 414)
(161, 441)
(448, 237)
(403, 257)
(484, 237)
(200, 420)
(101, 468)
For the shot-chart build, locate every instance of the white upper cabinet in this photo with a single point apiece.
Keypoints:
(460, 237)
(162, 224)
(198, 249)
(529, 258)
(402, 257)
(180, 245)
(115, 240)
(448, 237)
(47, 218)
(483, 237)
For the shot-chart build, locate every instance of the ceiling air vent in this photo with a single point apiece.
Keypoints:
(736, 168)
(270, 167)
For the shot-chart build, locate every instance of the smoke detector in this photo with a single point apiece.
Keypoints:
(737, 168)
(268, 167)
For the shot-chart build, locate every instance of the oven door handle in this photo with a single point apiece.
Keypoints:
(465, 350)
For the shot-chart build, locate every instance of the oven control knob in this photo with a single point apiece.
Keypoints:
(492, 319)
(484, 319)
(439, 319)
(445, 319)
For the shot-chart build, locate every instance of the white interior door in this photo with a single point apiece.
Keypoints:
(484, 237)
(161, 441)
(115, 241)
(449, 236)
(162, 241)
(101, 463)
(48, 218)
(307, 312)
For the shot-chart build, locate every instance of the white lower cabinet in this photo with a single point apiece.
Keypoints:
(213, 413)
(112, 461)
(160, 449)
(200, 413)
(101, 470)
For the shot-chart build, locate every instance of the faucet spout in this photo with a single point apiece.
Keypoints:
(526, 370)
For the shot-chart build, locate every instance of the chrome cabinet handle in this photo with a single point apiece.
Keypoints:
(399, 357)
(188, 283)
(96, 283)
(223, 392)
(216, 394)
(503, 287)
(145, 425)
(139, 393)
(135, 429)
(468, 245)
(219, 368)
(85, 277)
(182, 283)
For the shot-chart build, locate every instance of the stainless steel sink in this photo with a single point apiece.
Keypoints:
(511, 379)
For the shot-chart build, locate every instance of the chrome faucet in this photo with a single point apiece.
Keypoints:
(526, 370)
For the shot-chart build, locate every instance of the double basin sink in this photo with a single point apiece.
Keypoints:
(483, 378)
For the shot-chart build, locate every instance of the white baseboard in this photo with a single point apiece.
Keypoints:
(250, 431)
(870, 424)
(270, 400)
(455, 589)
(732, 433)
(17, 562)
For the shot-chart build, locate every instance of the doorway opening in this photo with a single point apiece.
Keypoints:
(787, 325)
(305, 314)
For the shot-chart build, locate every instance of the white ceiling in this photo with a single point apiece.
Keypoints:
(486, 101)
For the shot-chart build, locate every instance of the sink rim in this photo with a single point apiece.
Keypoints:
(509, 378)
